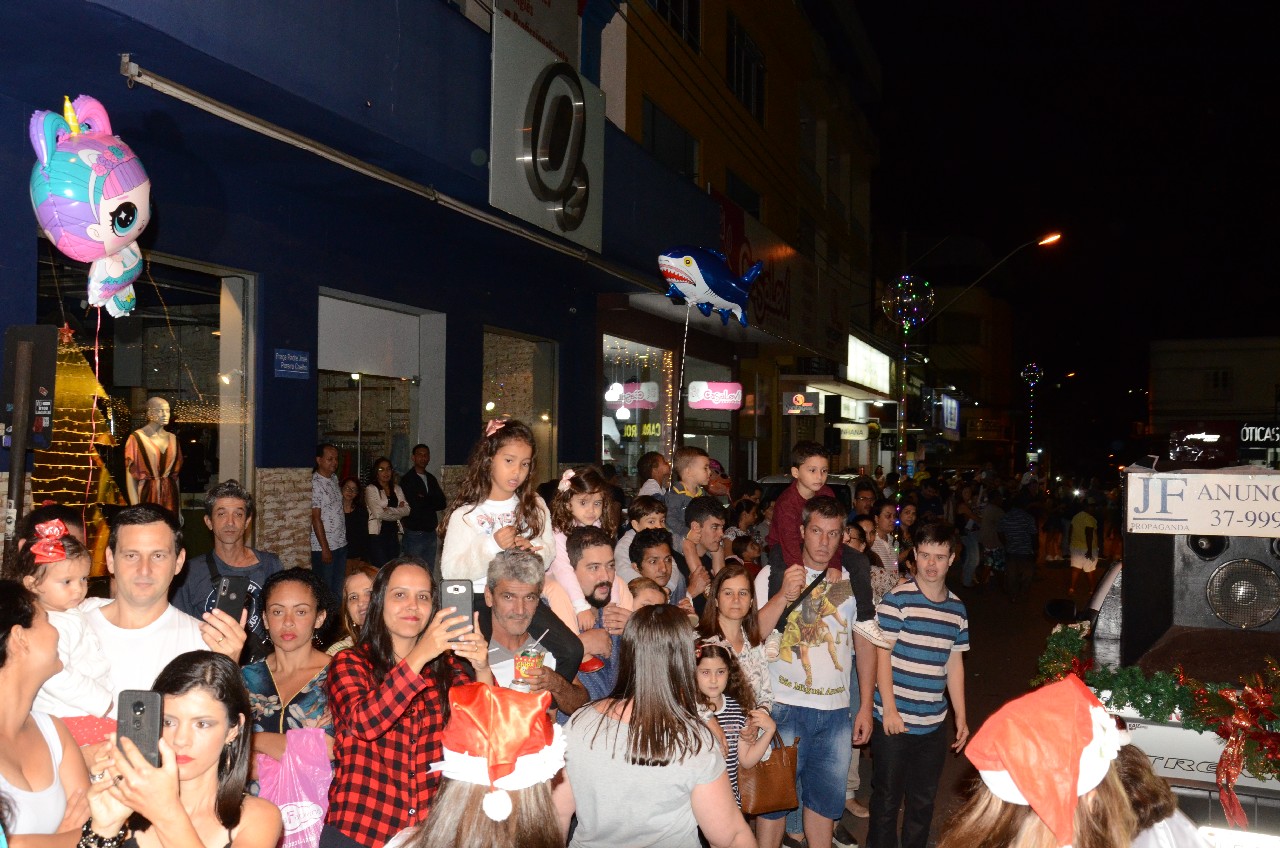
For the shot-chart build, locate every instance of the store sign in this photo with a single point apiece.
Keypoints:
(848, 408)
(293, 364)
(632, 396)
(800, 403)
(788, 299)
(1224, 502)
(546, 137)
(854, 432)
(704, 395)
(650, 430)
(867, 366)
(950, 415)
(552, 22)
(1260, 436)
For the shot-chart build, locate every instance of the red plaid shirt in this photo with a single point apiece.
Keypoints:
(386, 736)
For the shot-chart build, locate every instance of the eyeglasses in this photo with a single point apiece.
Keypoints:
(383, 468)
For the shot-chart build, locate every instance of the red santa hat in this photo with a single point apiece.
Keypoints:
(1045, 750)
(501, 739)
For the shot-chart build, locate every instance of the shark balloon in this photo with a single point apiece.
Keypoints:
(702, 277)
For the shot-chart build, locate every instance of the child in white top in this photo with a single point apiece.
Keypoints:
(55, 567)
(496, 508)
(579, 502)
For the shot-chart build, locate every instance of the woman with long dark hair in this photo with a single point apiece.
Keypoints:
(387, 505)
(197, 796)
(642, 768)
(389, 696)
(730, 614)
(41, 770)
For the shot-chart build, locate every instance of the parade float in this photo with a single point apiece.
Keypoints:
(1182, 640)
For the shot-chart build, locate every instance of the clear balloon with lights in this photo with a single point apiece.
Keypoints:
(909, 303)
(1032, 374)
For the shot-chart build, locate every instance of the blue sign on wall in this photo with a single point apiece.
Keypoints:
(293, 364)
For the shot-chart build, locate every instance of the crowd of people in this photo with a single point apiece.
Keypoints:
(520, 670)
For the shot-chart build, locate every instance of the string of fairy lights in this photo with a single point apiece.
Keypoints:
(1032, 374)
(907, 304)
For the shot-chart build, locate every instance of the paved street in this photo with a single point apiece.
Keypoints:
(1006, 640)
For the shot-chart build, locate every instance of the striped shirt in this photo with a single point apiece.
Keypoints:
(926, 635)
(732, 719)
(1020, 532)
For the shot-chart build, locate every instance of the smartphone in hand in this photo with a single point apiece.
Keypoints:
(138, 716)
(233, 594)
(458, 593)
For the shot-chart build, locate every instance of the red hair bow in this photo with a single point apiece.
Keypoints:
(48, 546)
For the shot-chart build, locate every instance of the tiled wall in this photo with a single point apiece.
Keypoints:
(284, 513)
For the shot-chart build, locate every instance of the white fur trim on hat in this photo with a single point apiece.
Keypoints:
(1095, 760)
(530, 770)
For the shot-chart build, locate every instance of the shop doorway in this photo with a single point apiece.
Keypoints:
(380, 369)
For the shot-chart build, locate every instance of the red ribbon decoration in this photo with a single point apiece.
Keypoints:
(1231, 763)
(48, 546)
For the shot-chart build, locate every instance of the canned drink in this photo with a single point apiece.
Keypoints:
(527, 662)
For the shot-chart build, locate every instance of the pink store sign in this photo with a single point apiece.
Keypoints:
(632, 395)
(704, 395)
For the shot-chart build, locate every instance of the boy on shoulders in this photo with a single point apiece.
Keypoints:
(693, 470)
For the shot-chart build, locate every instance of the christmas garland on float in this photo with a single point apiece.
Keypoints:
(1244, 716)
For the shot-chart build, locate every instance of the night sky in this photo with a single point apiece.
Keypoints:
(1144, 132)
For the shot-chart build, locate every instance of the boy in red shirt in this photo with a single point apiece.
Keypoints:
(809, 466)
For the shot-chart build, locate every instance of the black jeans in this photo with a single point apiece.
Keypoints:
(905, 767)
(1018, 569)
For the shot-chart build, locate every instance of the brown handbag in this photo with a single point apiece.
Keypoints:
(770, 785)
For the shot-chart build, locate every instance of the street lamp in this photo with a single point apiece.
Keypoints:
(1051, 238)
(911, 304)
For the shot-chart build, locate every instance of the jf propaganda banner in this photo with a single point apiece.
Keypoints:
(1224, 502)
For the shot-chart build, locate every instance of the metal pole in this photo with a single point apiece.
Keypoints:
(24, 351)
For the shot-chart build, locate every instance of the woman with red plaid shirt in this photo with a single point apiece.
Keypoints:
(390, 701)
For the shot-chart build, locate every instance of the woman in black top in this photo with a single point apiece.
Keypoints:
(357, 518)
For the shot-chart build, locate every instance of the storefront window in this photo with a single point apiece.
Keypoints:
(152, 406)
(520, 383)
(637, 413)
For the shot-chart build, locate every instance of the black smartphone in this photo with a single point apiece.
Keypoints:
(233, 594)
(457, 593)
(138, 717)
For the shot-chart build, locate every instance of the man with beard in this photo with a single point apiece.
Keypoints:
(513, 591)
(590, 551)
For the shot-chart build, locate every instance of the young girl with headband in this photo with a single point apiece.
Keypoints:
(54, 566)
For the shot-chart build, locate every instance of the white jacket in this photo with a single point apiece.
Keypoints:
(469, 544)
(376, 500)
(83, 687)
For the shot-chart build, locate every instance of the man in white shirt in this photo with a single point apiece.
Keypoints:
(811, 674)
(140, 631)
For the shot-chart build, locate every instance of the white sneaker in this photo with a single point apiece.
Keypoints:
(870, 630)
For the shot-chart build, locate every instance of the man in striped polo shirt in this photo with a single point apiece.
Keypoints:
(930, 629)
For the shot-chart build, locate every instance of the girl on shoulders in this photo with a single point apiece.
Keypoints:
(579, 502)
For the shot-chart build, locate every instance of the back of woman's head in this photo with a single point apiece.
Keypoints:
(1152, 799)
(1103, 819)
(17, 609)
(457, 819)
(656, 673)
(220, 678)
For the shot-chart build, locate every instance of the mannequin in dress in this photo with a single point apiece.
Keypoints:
(152, 458)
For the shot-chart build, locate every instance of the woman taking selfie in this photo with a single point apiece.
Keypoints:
(197, 796)
(390, 701)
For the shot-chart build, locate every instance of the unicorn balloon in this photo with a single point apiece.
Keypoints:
(92, 198)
